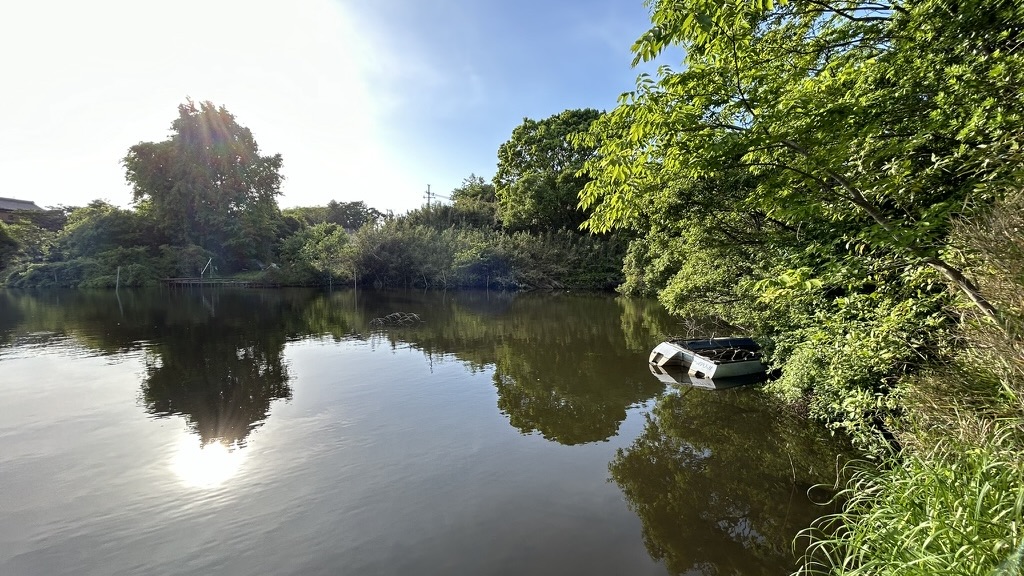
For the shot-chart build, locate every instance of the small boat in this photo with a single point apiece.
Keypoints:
(711, 357)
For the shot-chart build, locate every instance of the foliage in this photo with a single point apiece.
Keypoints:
(314, 253)
(950, 502)
(349, 215)
(100, 226)
(33, 243)
(466, 214)
(53, 219)
(801, 174)
(538, 182)
(208, 185)
(8, 246)
(993, 246)
(954, 509)
(474, 205)
(474, 188)
(404, 252)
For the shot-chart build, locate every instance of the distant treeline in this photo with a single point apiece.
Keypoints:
(207, 196)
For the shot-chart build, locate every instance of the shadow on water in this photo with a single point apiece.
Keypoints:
(720, 481)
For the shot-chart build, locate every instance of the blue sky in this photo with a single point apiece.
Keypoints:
(365, 100)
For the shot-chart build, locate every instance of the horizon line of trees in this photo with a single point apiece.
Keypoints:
(208, 194)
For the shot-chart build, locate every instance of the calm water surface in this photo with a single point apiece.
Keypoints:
(280, 432)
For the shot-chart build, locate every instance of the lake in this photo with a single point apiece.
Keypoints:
(286, 432)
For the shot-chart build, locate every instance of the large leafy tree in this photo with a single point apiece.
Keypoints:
(475, 202)
(801, 173)
(538, 179)
(882, 121)
(208, 184)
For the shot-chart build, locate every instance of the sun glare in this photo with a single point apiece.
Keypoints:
(93, 78)
(206, 466)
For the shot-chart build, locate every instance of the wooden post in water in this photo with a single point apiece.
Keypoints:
(117, 283)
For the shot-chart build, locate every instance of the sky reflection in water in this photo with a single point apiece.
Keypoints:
(277, 432)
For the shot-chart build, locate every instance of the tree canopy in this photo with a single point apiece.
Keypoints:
(800, 174)
(348, 215)
(208, 184)
(882, 121)
(538, 178)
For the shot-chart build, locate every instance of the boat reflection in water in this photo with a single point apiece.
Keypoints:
(679, 376)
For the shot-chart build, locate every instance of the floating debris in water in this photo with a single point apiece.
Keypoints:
(397, 319)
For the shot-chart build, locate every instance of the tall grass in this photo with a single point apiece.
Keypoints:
(952, 500)
(954, 509)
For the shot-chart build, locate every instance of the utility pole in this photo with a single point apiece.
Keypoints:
(430, 196)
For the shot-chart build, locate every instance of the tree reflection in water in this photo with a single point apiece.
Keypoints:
(566, 368)
(720, 481)
(222, 370)
(563, 367)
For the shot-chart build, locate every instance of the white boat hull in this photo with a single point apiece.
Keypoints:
(669, 353)
(701, 366)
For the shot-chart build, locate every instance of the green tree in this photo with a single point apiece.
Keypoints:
(801, 173)
(474, 188)
(208, 185)
(876, 120)
(34, 244)
(101, 226)
(308, 215)
(475, 202)
(537, 183)
(351, 215)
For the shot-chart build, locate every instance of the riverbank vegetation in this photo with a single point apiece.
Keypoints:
(842, 180)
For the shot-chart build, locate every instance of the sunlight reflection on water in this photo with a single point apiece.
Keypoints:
(206, 466)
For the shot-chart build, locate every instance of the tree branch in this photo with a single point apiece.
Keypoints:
(950, 272)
